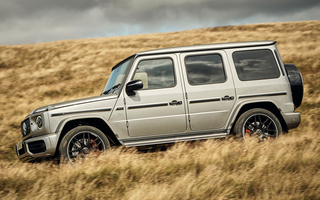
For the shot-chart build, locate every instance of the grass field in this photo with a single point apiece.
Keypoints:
(39, 74)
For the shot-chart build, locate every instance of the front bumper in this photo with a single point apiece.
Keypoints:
(37, 147)
(292, 119)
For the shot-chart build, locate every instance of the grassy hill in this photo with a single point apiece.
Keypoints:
(39, 74)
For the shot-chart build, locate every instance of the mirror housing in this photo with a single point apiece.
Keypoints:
(132, 86)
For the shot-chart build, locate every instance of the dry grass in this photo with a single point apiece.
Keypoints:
(39, 74)
(285, 169)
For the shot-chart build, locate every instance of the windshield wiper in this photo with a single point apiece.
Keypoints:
(112, 89)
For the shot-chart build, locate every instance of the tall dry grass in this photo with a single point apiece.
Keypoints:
(223, 169)
(39, 74)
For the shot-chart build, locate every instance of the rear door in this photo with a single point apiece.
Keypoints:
(210, 89)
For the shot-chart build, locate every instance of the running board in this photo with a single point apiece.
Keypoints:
(145, 142)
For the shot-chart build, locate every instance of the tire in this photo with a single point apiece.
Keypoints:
(259, 123)
(81, 143)
(296, 83)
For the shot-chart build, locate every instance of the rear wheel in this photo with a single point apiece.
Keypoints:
(257, 123)
(82, 143)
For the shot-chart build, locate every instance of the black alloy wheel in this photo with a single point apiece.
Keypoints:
(258, 123)
(81, 143)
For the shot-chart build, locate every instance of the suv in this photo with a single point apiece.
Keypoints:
(170, 95)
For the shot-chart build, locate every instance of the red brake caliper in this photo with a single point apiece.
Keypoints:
(247, 133)
(95, 146)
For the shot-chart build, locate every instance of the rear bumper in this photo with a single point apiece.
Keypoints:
(292, 119)
(37, 147)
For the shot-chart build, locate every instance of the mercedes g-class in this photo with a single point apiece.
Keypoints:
(169, 95)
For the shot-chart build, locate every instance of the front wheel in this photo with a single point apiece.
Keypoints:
(257, 123)
(81, 143)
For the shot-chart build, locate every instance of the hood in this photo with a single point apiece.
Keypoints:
(74, 102)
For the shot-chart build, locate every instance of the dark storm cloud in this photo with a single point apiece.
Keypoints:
(33, 21)
(223, 11)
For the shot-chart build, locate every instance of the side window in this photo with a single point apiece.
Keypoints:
(205, 69)
(255, 65)
(156, 73)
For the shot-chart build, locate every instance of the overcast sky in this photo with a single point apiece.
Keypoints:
(35, 21)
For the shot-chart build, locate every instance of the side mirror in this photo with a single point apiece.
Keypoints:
(132, 86)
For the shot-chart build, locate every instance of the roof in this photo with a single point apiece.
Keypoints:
(206, 47)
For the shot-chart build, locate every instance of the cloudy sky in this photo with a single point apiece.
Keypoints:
(35, 21)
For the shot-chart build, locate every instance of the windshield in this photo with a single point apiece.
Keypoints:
(116, 78)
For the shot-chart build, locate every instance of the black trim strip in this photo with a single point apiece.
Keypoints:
(148, 106)
(82, 111)
(120, 108)
(263, 95)
(168, 136)
(204, 100)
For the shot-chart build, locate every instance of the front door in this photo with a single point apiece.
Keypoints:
(158, 108)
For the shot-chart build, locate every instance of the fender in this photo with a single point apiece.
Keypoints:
(64, 121)
(240, 105)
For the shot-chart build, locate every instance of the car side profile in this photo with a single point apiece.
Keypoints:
(170, 95)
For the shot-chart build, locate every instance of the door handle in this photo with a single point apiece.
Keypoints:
(175, 102)
(227, 97)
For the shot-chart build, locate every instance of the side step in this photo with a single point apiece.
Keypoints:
(143, 142)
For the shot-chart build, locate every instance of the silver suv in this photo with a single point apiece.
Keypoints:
(170, 95)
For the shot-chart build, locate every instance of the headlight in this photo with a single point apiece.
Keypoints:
(23, 129)
(39, 122)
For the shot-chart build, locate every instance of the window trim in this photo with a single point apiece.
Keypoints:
(206, 54)
(256, 50)
(174, 72)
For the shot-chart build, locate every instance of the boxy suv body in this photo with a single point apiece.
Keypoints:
(173, 94)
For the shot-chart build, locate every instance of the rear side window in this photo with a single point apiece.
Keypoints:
(205, 69)
(255, 65)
